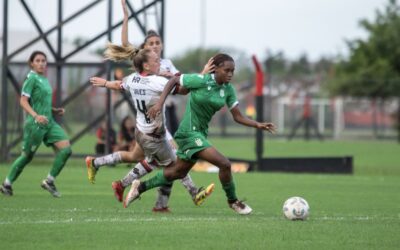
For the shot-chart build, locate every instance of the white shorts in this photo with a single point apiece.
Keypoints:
(157, 150)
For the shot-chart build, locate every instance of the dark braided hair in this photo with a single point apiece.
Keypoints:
(219, 59)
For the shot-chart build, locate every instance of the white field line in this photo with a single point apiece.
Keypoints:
(169, 219)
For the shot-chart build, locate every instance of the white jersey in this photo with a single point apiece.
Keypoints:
(166, 65)
(145, 92)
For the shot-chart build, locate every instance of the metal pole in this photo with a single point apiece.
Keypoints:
(259, 111)
(162, 28)
(108, 76)
(59, 60)
(4, 88)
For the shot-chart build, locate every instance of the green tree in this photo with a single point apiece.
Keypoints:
(373, 67)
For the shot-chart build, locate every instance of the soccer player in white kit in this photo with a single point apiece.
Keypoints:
(145, 87)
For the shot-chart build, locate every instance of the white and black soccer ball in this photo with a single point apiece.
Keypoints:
(296, 208)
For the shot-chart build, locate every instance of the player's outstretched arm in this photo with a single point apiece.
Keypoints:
(239, 118)
(101, 82)
(124, 31)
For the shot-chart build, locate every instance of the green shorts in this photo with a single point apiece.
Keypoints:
(189, 143)
(35, 134)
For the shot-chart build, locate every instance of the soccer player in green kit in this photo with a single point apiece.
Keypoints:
(208, 94)
(36, 100)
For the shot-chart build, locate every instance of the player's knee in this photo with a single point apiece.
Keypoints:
(179, 174)
(225, 165)
(65, 152)
(27, 156)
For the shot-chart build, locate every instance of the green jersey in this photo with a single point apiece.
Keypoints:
(39, 91)
(206, 98)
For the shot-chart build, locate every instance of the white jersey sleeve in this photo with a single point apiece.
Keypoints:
(166, 65)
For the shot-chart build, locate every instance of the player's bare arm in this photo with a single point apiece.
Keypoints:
(101, 82)
(239, 118)
(24, 102)
(156, 109)
(124, 31)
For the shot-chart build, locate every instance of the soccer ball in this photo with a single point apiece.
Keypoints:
(296, 208)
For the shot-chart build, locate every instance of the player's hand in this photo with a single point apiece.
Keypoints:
(154, 111)
(59, 111)
(209, 67)
(270, 127)
(98, 81)
(41, 119)
(124, 8)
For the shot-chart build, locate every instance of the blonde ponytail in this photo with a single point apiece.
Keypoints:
(120, 53)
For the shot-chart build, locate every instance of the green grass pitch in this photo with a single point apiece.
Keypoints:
(359, 211)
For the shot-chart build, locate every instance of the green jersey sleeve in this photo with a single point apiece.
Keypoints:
(193, 81)
(231, 99)
(29, 85)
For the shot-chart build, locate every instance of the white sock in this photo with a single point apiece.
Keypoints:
(50, 178)
(188, 183)
(163, 196)
(110, 159)
(137, 172)
(7, 182)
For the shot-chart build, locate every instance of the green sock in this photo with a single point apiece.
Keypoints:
(17, 167)
(60, 160)
(156, 181)
(230, 190)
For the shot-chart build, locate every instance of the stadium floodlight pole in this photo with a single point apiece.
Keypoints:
(4, 88)
(259, 110)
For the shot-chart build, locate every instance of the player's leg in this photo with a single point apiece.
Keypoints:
(188, 146)
(58, 139)
(94, 163)
(186, 181)
(33, 136)
(166, 152)
(141, 169)
(214, 157)
(163, 194)
(162, 154)
(174, 171)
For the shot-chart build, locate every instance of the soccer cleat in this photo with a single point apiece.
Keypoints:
(91, 170)
(161, 210)
(6, 189)
(240, 207)
(133, 193)
(49, 186)
(118, 190)
(202, 194)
